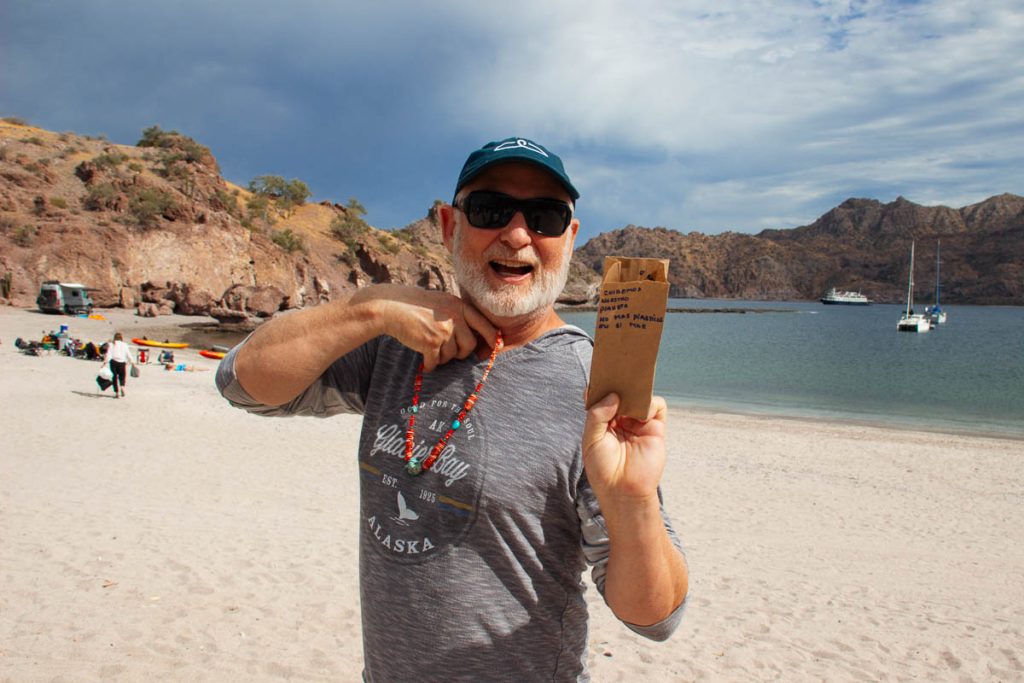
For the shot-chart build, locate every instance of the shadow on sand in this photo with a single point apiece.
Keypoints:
(92, 394)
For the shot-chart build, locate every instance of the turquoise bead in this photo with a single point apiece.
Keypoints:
(456, 424)
(415, 409)
(414, 466)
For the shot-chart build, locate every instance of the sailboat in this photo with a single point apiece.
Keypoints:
(936, 315)
(910, 321)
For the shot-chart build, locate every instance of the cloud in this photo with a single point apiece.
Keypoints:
(697, 115)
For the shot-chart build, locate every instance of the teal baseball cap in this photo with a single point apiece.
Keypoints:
(515, 149)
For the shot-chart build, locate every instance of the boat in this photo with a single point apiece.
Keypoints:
(142, 341)
(834, 296)
(936, 315)
(910, 321)
(207, 353)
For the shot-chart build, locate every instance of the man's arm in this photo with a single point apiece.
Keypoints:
(286, 355)
(646, 577)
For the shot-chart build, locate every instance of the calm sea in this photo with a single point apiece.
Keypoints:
(845, 363)
(834, 362)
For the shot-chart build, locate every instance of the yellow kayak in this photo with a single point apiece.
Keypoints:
(163, 345)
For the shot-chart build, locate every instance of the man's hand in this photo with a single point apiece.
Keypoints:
(624, 457)
(286, 355)
(440, 326)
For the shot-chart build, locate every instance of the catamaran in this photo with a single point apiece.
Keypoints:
(910, 321)
(936, 315)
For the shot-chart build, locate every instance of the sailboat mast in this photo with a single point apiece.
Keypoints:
(910, 279)
(938, 246)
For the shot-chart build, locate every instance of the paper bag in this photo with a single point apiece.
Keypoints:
(630, 315)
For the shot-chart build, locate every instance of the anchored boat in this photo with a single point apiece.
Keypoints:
(910, 321)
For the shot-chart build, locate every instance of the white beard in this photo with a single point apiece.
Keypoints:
(510, 301)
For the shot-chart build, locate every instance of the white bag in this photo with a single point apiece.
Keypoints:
(106, 374)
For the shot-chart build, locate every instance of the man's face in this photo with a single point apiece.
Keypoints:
(511, 272)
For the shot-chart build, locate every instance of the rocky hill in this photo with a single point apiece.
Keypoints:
(862, 244)
(156, 226)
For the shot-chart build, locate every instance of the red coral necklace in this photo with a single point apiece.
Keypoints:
(415, 465)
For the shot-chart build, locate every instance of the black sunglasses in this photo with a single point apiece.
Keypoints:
(493, 210)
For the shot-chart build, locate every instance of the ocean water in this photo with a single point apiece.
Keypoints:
(845, 363)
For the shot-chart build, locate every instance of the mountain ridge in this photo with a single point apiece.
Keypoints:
(155, 226)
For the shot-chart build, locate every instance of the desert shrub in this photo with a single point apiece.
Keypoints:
(149, 204)
(187, 148)
(348, 229)
(227, 201)
(288, 240)
(5, 285)
(24, 236)
(287, 193)
(34, 140)
(109, 160)
(15, 120)
(135, 166)
(351, 226)
(100, 196)
(355, 206)
(389, 244)
(35, 168)
(59, 202)
(259, 208)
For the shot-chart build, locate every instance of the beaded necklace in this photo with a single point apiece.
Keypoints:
(415, 466)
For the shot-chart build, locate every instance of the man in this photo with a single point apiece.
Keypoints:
(483, 495)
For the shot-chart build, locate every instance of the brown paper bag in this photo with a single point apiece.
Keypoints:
(631, 313)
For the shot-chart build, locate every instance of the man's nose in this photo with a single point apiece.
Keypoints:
(516, 234)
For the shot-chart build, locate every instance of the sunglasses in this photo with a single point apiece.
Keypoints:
(494, 210)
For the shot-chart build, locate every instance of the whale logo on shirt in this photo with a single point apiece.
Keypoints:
(405, 513)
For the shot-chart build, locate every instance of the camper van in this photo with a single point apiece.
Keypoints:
(63, 297)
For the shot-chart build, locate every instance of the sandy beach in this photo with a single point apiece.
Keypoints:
(169, 536)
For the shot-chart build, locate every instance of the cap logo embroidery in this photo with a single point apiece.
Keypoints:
(521, 143)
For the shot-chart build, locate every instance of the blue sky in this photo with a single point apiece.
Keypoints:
(693, 115)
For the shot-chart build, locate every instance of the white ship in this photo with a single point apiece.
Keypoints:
(834, 296)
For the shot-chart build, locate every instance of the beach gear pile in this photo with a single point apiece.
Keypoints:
(61, 343)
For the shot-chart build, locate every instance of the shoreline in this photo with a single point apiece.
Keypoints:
(895, 424)
(204, 331)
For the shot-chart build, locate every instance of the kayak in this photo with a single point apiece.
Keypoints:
(162, 345)
(211, 354)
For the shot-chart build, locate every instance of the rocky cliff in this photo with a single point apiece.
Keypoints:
(156, 226)
(862, 244)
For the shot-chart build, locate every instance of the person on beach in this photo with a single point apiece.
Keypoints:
(486, 486)
(118, 357)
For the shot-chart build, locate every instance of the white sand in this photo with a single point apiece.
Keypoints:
(169, 536)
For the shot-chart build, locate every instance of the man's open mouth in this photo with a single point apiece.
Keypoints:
(511, 268)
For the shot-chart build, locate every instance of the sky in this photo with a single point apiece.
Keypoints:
(695, 115)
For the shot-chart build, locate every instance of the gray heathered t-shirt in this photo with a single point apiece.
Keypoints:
(471, 571)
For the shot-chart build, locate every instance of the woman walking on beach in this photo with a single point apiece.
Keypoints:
(118, 357)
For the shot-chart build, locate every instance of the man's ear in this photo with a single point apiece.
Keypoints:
(446, 214)
(574, 226)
